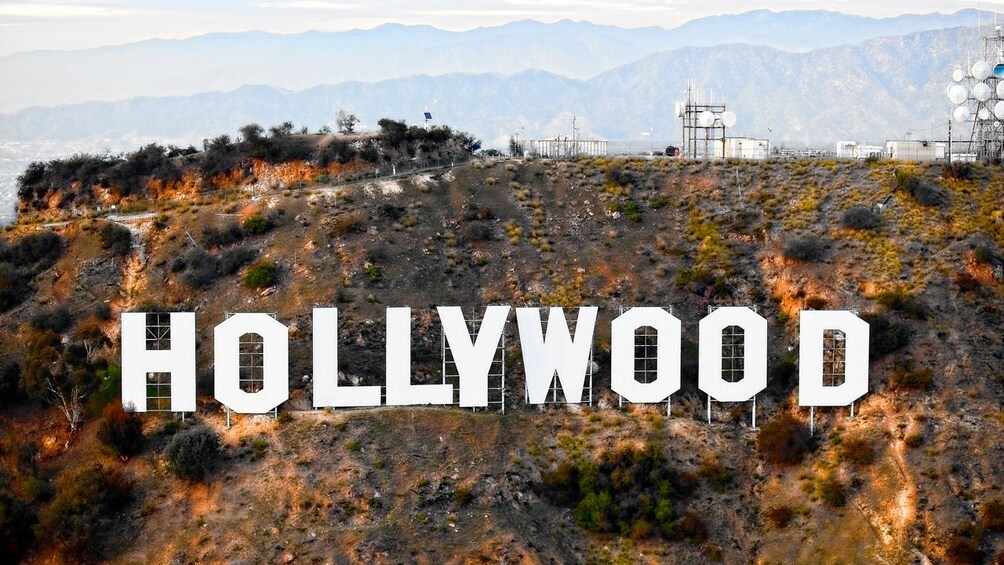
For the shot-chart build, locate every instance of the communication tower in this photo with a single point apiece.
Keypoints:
(704, 124)
(977, 92)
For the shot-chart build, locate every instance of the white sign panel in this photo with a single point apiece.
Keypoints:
(812, 390)
(275, 358)
(754, 346)
(622, 355)
(400, 390)
(555, 353)
(473, 360)
(179, 361)
(326, 390)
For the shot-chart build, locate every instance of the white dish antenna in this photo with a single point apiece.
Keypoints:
(728, 118)
(958, 75)
(679, 109)
(999, 110)
(981, 91)
(1000, 89)
(961, 114)
(706, 119)
(957, 94)
(981, 70)
(984, 113)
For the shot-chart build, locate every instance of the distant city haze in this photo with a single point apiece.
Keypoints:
(27, 25)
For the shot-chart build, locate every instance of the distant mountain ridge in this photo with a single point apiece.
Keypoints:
(579, 50)
(874, 91)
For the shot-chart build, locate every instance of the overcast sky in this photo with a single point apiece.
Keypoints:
(60, 24)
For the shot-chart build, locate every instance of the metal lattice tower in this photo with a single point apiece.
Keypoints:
(977, 91)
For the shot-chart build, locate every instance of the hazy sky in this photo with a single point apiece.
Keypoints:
(59, 24)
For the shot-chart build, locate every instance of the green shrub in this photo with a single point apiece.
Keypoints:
(120, 430)
(256, 224)
(191, 454)
(260, 275)
(353, 446)
(478, 231)
(116, 239)
(645, 487)
(78, 516)
(784, 440)
(807, 249)
(861, 218)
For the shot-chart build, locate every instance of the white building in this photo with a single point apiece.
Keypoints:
(742, 148)
(916, 150)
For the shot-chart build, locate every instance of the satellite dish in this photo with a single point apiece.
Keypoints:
(981, 91)
(728, 119)
(984, 113)
(961, 114)
(999, 110)
(1000, 89)
(999, 70)
(981, 70)
(957, 94)
(706, 119)
(679, 109)
(958, 75)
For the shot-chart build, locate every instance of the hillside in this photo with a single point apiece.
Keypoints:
(912, 477)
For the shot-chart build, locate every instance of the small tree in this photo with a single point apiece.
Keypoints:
(346, 122)
(192, 453)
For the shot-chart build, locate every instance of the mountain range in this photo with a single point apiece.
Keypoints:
(873, 91)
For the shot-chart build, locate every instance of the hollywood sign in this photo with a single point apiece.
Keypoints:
(551, 356)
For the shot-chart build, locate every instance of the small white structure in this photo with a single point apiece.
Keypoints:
(854, 150)
(742, 148)
(916, 150)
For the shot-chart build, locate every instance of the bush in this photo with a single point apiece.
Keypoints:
(220, 236)
(992, 515)
(348, 222)
(16, 521)
(56, 319)
(779, 516)
(831, 491)
(86, 498)
(856, 450)
(201, 269)
(784, 440)
(907, 378)
(234, 258)
(256, 224)
(478, 231)
(807, 249)
(901, 300)
(922, 190)
(885, 336)
(861, 218)
(116, 239)
(120, 430)
(645, 487)
(963, 546)
(191, 454)
(260, 275)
